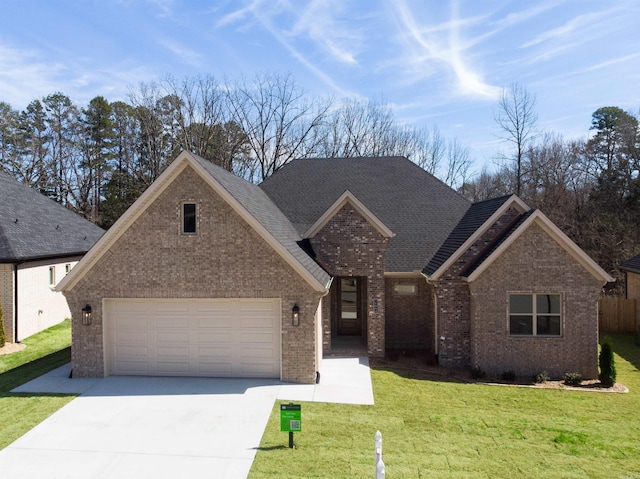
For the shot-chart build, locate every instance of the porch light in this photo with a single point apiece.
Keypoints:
(86, 315)
(295, 315)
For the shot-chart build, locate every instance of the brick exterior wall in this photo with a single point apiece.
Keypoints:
(350, 246)
(226, 259)
(633, 292)
(453, 300)
(535, 263)
(410, 319)
(7, 299)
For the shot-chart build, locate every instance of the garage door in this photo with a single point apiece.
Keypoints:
(208, 337)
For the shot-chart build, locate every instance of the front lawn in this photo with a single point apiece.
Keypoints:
(19, 412)
(450, 429)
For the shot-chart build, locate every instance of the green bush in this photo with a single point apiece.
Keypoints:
(573, 379)
(477, 373)
(607, 363)
(3, 337)
(541, 377)
(508, 375)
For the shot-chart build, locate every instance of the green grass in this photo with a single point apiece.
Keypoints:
(440, 429)
(19, 412)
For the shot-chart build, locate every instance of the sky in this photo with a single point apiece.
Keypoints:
(435, 63)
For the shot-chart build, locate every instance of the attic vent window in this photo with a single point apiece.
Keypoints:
(189, 218)
(404, 289)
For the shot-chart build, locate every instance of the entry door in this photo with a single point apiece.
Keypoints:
(349, 307)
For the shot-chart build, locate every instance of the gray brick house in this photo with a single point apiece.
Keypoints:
(210, 275)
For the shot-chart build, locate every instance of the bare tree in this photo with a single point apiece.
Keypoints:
(458, 163)
(280, 123)
(516, 117)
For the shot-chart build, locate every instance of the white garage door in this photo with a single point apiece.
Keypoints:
(200, 337)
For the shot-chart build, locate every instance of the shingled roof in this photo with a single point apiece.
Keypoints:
(632, 265)
(473, 219)
(417, 207)
(33, 226)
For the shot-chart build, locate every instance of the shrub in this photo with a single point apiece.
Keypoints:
(3, 337)
(573, 379)
(541, 377)
(508, 375)
(477, 373)
(607, 363)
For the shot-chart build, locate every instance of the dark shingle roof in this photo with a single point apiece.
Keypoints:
(417, 207)
(475, 217)
(497, 242)
(632, 265)
(258, 204)
(32, 226)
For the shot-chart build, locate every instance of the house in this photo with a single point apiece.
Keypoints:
(631, 267)
(210, 275)
(40, 241)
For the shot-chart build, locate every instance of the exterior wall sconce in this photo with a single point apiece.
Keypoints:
(86, 315)
(295, 315)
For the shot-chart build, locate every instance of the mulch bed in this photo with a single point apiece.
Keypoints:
(414, 364)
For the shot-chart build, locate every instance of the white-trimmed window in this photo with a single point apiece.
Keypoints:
(67, 268)
(405, 289)
(52, 275)
(189, 219)
(535, 314)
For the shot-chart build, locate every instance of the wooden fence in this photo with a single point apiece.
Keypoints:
(617, 315)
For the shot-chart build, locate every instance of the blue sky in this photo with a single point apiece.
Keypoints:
(435, 62)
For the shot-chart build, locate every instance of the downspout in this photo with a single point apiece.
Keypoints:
(15, 302)
(436, 343)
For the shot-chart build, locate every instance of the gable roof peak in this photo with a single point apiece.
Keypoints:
(349, 198)
(245, 198)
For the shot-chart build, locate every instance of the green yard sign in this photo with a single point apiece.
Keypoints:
(290, 418)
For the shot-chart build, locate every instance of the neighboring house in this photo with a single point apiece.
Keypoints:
(40, 241)
(631, 267)
(210, 275)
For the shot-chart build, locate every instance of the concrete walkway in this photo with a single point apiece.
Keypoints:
(133, 427)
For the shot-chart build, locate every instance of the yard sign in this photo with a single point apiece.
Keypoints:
(290, 418)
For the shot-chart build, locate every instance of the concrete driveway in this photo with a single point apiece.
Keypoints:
(146, 427)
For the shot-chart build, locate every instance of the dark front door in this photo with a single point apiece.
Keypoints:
(349, 306)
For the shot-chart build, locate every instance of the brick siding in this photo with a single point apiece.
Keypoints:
(350, 246)
(535, 263)
(453, 300)
(226, 259)
(410, 319)
(6, 299)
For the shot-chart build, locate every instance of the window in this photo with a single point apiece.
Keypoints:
(67, 268)
(52, 275)
(534, 315)
(404, 289)
(189, 218)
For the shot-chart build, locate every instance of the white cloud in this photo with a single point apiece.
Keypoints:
(443, 50)
(186, 55)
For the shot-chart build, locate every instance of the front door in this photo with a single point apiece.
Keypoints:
(349, 307)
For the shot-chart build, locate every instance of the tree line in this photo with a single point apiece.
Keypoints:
(97, 159)
(589, 187)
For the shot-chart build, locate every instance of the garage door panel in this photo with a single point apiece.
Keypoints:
(225, 338)
(172, 368)
(124, 336)
(133, 351)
